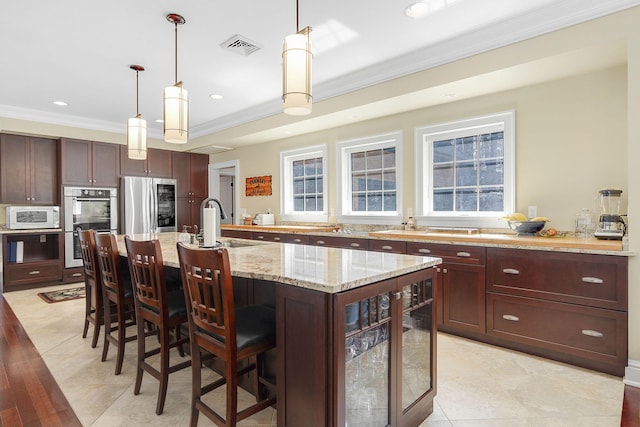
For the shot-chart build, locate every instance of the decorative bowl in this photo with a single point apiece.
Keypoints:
(527, 228)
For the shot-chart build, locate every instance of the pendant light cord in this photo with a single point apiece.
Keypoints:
(137, 98)
(176, 50)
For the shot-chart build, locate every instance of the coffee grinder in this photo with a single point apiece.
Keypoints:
(610, 225)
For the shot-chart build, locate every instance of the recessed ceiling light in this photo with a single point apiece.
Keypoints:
(416, 10)
(216, 96)
(60, 103)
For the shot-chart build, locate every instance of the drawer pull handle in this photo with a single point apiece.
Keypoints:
(355, 245)
(277, 239)
(34, 272)
(76, 274)
(260, 237)
(592, 280)
(592, 333)
(387, 247)
(424, 251)
(510, 317)
(320, 242)
(297, 240)
(510, 271)
(464, 254)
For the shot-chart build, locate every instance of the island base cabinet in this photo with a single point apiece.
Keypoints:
(586, 336)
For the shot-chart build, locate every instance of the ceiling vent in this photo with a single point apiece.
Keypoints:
(240, 45)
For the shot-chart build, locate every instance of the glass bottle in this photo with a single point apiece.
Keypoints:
(585, 224)
(185, 237)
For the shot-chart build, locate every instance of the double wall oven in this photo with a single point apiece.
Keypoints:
(87, 208)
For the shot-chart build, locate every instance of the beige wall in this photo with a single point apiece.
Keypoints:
(571, 141)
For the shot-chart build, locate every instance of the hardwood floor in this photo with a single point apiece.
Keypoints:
(29, 395)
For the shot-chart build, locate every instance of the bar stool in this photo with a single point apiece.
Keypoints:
(92, 285)
(165, 310)
(117, 294)
(229, 333)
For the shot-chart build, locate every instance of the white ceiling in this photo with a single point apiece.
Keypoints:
(79, 51)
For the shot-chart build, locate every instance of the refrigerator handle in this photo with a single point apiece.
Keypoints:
(154, 208)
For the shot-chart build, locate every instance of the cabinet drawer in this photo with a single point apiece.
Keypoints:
(593, 280)
(450, 253)
(340, 242)
(593, 333)
(392, 246)
(298, 239)
(240, 234)
(15, 274)
(71, 275)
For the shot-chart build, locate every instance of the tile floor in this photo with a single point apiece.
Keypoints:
(478, 385)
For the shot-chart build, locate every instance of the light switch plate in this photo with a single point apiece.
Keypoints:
(532, 212)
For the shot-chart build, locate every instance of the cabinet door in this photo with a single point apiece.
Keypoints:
(181, 172)
(106, 164)
(76, 162)
(199, 175)
(129, 167)
(183, 213)
(15, 169)
(463, 297)
(44, 171)
(159, 163)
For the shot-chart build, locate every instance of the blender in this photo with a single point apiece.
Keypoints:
(610, 225)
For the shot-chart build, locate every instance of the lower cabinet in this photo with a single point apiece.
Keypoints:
(36, 262)
(369, 353)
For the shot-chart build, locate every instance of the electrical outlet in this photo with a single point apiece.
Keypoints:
(43, 238)
(532, 212)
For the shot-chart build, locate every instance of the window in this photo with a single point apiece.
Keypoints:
(304, 184)
(466, 171)
(370, 186)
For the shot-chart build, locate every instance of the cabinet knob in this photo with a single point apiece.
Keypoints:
(444, 270)
(424, 251)
(355, 245)
(320, 242)
(297, 240)
(463, 254)
(592, 333)
(76, 274)
(34, 272)
(387, 247)
(260, 237)
(510, 271)
(592, 280)
(510, 317)
(277, 239)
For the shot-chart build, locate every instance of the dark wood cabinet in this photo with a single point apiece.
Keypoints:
(190, 171)
(157, 164)
(89, 163)
(41, 260)
(461, 305)
(340, 242)
(29, 170)
(392, 246)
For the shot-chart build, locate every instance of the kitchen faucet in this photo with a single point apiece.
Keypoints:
(204, 204)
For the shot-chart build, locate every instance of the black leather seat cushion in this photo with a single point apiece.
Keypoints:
(175, 302)
(254, 324)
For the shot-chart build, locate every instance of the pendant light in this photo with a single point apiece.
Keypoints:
(137, 128)
(296, 71)
(176, 99)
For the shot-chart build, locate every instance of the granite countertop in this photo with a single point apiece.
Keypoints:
(281, 228)
(329, 270)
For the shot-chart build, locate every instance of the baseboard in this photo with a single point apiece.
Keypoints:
(632, 373)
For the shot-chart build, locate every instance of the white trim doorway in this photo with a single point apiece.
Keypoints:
(228, 171)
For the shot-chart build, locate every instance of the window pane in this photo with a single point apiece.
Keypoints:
(298, 168)
(319, 166)
(357, 161)
(374, 202)
(389, 182)
(298, 186)
(310, 167)
(310, 204)
(389, 201)
(492, 172)
(443, 200)
(466, 200)
(389, 157)
(443, 151)
(319, 184)
(310, 185)
(491, 199)
(298, 203)
(466, 174)
(359, 182)
(374, 181)
(359, 202)
(443, 176)
(466, 148)
(492, 145)
(374, 159)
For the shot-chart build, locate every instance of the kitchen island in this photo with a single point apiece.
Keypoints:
(355, 329)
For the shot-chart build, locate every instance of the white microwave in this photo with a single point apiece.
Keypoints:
(30, 217)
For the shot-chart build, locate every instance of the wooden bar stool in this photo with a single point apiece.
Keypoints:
(92, 285)
(165, 310)
(229, 333)
(117, 295)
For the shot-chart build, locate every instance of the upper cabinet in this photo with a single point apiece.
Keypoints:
(191, 173)
(157, 164)
(89, 163)
(29, 170)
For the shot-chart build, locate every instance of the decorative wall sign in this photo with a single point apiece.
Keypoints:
(258, 186)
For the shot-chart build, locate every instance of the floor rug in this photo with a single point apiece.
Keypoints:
(62, 294)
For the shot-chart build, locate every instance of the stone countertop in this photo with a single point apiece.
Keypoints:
(5, 230)
(329, 270)
(281, 228)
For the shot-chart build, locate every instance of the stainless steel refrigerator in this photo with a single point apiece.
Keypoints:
(148, 205)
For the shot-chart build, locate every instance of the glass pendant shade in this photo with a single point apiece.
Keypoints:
(176, 114)
(137, 138)
(296, 74)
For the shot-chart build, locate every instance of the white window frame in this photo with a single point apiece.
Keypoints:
(344, 183)
(286, 184)
(425, 135)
